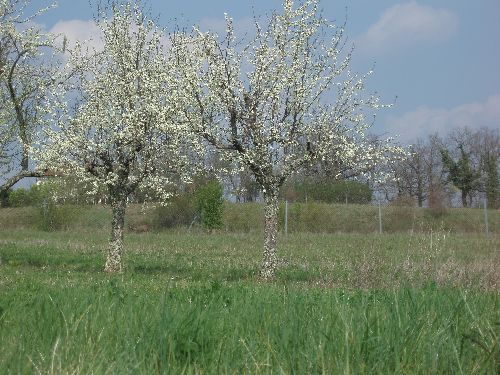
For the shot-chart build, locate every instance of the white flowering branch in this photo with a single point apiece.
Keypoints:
(286, 100)
(117, 128)
(27, 71)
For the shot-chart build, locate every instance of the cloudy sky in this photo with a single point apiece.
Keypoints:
(439, 58)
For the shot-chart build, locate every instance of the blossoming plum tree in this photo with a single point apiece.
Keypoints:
(117, 127)
(285, 100)
(27, 68)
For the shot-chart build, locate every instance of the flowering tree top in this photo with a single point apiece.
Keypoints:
(286, 99)
(117, 124)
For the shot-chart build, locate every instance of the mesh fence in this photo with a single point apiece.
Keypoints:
(249, 217)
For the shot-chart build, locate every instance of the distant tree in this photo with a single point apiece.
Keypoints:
(420, 171)
(120, 132)
(479, 145)
(461, 174)
(246, 188)
(492, 183)
(27, 71)
(422, 174)
(412, 179)
(286, 100)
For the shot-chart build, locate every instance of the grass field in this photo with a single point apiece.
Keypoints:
(191, 302)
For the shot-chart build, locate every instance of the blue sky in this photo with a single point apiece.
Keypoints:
(440, 58)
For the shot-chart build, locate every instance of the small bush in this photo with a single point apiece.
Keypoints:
(4, 198)
(51, 217)
(211, 205)
(437, 201)
(181, 211)
(333, 192)
(19, 198)
(48, 215)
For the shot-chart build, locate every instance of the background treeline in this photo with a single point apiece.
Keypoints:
(459, 169)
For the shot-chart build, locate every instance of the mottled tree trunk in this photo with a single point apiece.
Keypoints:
(270, 259)
(114, 262)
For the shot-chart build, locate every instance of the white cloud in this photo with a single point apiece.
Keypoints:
(408, 23)
(425, 120)
(79, 30)
(87, 33)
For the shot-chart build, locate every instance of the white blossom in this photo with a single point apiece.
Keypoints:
(27, 68)
(114, 123)
(285, 100)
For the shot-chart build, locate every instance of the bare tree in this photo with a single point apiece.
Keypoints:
(421, 170)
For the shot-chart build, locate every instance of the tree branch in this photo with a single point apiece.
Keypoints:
(25, 174)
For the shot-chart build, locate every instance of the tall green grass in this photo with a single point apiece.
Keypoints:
(136, 326)
(191, 302)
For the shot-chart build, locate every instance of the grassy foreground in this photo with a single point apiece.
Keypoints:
(191, 302)
(142, 325)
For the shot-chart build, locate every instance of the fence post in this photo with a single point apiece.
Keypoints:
(286, 216)
(486, 225)
(379, 218)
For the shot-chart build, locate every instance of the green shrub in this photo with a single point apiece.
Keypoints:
(30, 197)
(210, 205)
(47, 215)
(4, 198)
(51, 216)
(19, 198)
(181, 211)
(332, 192)
(203, 203)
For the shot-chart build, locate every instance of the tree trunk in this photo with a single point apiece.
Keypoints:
(420, 200)
(420, 192)
(270, 259)
(25, 161)
(114, 262)
(464, 198)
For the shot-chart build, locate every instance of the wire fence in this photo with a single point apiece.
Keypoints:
(249, 217)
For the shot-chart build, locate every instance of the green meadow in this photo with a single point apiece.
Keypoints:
(191, 302)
